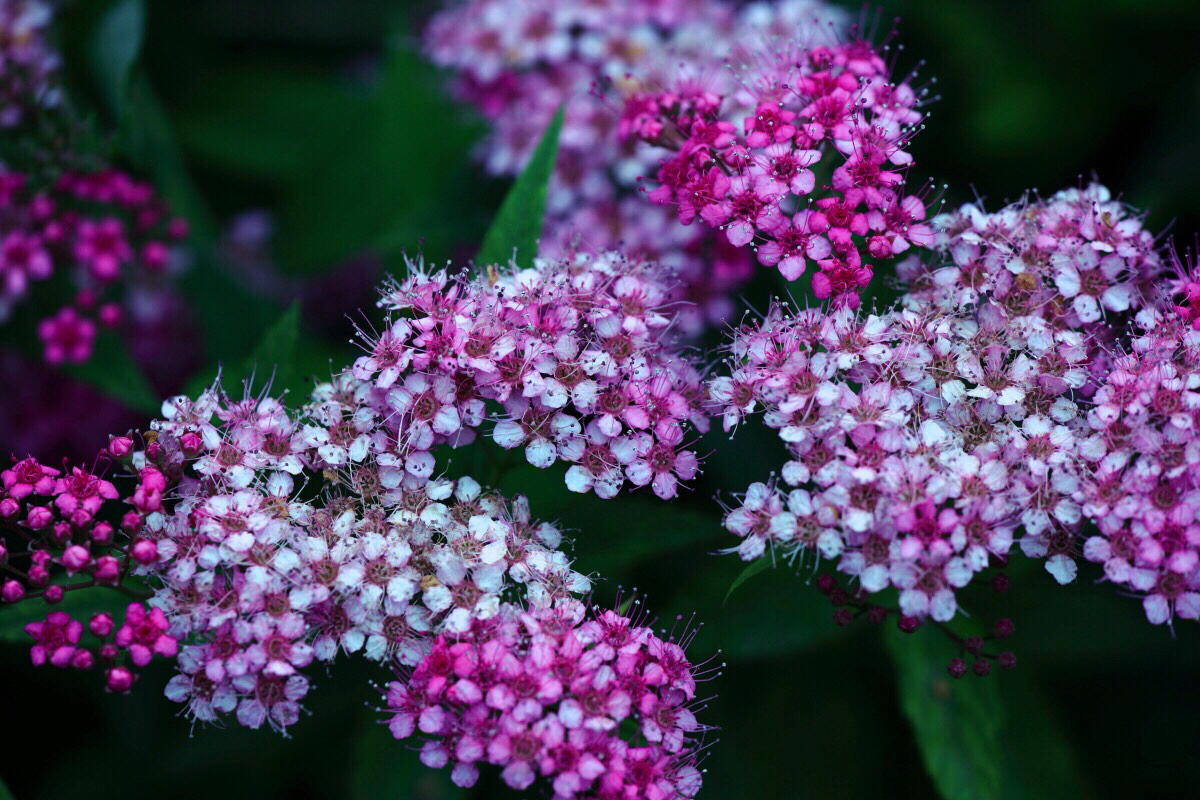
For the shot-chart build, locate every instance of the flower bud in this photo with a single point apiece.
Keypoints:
(119, 679)
(145, 552)
(75, 558)
(120, 446)
(9, 508)
(39, 517)
(83, 659)
(12, 591)
(102, 533)
(107, 570)
(53, 594)
(101, 625)
(191, 443)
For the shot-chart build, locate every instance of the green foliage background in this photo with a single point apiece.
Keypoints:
(325, 113)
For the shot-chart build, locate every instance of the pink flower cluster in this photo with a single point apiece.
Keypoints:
(1141, 482)
(261, 583)
(109, 230)
(745, 141)
(69, 546)
(920, 444)
(570, 359)
(592, 703)
(1078, 260)
(518, 62)
(28, 64)
(987, 407)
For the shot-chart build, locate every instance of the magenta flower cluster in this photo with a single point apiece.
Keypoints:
(552, 694)
(58, 516)
(519, 62)
(252, 585)
(107, 230)
(570, 360)
(745, 143)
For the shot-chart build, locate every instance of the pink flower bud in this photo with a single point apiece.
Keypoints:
(192, 443)
(12, 591)
(53, 594)
(39, 517)
(75, 558)
(145, 552)
(119, 679)
(3, 552)
(107, 570)
(102, 533)
(109, 651)
(132, 521)
(120, 446)
(82, 659)
(154, 451)
(155, 256)
(38, 576)
(101, 625)
(109, 315)
(177, 228)
(9, 508)
(61, 532)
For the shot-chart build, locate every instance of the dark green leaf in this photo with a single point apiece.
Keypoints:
(518, 225)
(272, 360)
(388, 180)
(79, 603)
(1038, 757)
(112, 371)
(113, 49)
(5, 794)
(746, 574)
(957, 722)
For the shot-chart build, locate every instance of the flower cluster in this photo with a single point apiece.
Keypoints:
(745, 142)
(69, 545)
(519, 62)
(569, 358)
(1078, 260)
(919, 444)
(262, 583)
(28, 64)
(1141, 485)
(593, 703)
(108, 230)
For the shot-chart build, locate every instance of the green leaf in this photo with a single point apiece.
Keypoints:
(273, 359)
(1038, 757)
(5, 794)
(79, 603)
(749, 572)
(957, 722)
(113, 371)
(112, 50)
(518, 225)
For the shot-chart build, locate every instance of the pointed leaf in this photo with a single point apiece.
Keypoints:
(518, 225)
(746, 574)
(957, 722)
(113, 371)
(113, 49)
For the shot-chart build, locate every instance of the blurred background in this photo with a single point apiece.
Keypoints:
(320, 148)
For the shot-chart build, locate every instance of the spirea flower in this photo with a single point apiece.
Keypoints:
(1141, 480)
(589, 703)
(518, 62)
(921, 445)
(110, 232)
(569, 361)
(743, 142)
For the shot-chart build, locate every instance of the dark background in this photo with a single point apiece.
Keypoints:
(321, 112)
